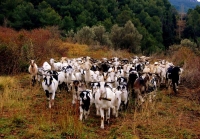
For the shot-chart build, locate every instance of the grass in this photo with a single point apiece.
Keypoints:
(25, 114)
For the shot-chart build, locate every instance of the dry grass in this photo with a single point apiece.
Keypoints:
(24, 114)
(77, 50)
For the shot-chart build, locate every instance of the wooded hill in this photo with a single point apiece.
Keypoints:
(184, 5)
(138, 26)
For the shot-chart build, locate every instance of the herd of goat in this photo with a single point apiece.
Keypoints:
(107, 83)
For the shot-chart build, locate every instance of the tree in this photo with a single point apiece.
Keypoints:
(25, 17)
(192, 25)
(131, 38)
(169, 27)
(124, 16)
(85, 35)
(75, 8)
(102, 13)
(143, 16)
(85, 18)
(47, 15)
(126, 37)
(107, 24)
(116, 35)
(67, 23)
(101, 35)
(81, 19)
(6, 10)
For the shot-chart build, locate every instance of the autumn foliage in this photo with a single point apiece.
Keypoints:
(17, 47)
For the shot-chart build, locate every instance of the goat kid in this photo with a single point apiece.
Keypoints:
(86, 101)
(124, 96)
(77, 88)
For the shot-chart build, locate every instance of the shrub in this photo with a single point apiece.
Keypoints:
(188, 43)
(17, 47)
(191, 76)
(85, 36)
(186, 58)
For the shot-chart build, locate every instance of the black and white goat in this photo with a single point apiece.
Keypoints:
(50, 85)
(124, 96)
(86, 101)
(33, 70)
(77, 88)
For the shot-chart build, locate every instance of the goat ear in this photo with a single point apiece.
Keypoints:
(88, 95)
(81, 94)
(51, 78)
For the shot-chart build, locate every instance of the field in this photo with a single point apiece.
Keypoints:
(25, 114)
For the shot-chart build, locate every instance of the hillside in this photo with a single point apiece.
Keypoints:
(184, 5)
(156, 28)
(25, 114)
(23, 108)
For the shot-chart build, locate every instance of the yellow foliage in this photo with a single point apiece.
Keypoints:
(179, 57)
(77, 50)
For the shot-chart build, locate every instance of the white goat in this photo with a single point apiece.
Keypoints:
(104, 100)
(88, 76)
(55, 66)
(46, 66)
(118, 101)
(61, 80)
(33, 70)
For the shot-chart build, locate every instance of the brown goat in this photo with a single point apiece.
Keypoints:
(141, 86)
